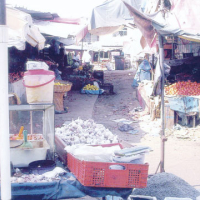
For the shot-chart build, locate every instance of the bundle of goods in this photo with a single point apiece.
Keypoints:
(91, 89)
(134, 154)
(109, 153)
(85, 132)
(14, 77)
(97, 153)
(183, 88)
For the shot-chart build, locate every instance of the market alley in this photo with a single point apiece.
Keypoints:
(109, 109)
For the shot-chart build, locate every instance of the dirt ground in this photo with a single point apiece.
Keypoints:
(182, 148)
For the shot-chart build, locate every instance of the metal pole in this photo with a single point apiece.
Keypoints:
(82, 53)
(31, 120)
(98, 58)
(4, 108)
(163, 139)
(2, 13)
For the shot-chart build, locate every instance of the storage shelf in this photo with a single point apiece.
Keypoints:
(30, 107)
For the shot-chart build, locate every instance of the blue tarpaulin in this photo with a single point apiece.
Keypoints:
(66, 188)
(143, 73)
(92, 91)
(184, 104)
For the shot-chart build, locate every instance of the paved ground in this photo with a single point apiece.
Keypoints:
(181, 153)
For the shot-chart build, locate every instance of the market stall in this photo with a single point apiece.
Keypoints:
(182, 90)
(36, 172)
(155, 28)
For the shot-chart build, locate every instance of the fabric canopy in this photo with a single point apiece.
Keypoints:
(111, 16)
(150, 24)
(187, 14)
(171, 24)
(66, 33)
(21, 30)
(76, 21)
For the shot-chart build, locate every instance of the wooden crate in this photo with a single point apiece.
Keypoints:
(155, 110)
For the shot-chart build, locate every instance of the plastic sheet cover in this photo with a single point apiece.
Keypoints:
(180, 22)
(68, 187)
(185, 104)
(110, 16)
(21, 30)
(143, 73)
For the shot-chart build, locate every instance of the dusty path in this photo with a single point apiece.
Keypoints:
(120, 105)
(181, 153)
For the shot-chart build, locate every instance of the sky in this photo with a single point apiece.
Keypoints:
(64, 8)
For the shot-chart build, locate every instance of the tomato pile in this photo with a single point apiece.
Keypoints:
(183, 88)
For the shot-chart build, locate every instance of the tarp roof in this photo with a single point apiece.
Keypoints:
(76, 21)
(39, 15)
(168, 25)
(21, 30)
(65, 33)
(110, 16)
(66, 30)
(181, 21)
(187, 14)
(53, 17)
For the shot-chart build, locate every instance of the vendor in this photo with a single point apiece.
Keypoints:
(76, 61)
(62, 58)
(86, 57)
(54, 51)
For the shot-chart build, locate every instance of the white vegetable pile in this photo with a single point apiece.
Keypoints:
(35, 178)
(85, 132)
(32, 178)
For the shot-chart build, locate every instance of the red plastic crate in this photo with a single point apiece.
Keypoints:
(98, 174)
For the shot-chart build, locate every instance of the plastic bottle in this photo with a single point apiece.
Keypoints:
(26, 144)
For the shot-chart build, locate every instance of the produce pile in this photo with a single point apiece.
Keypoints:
(54, 175)
(29, 137)
(62, 87)
(85, 132)
(90, 87)
(183, 88)
(62, 84)
(14, 77)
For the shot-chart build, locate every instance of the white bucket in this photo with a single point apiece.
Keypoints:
(39, 86)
